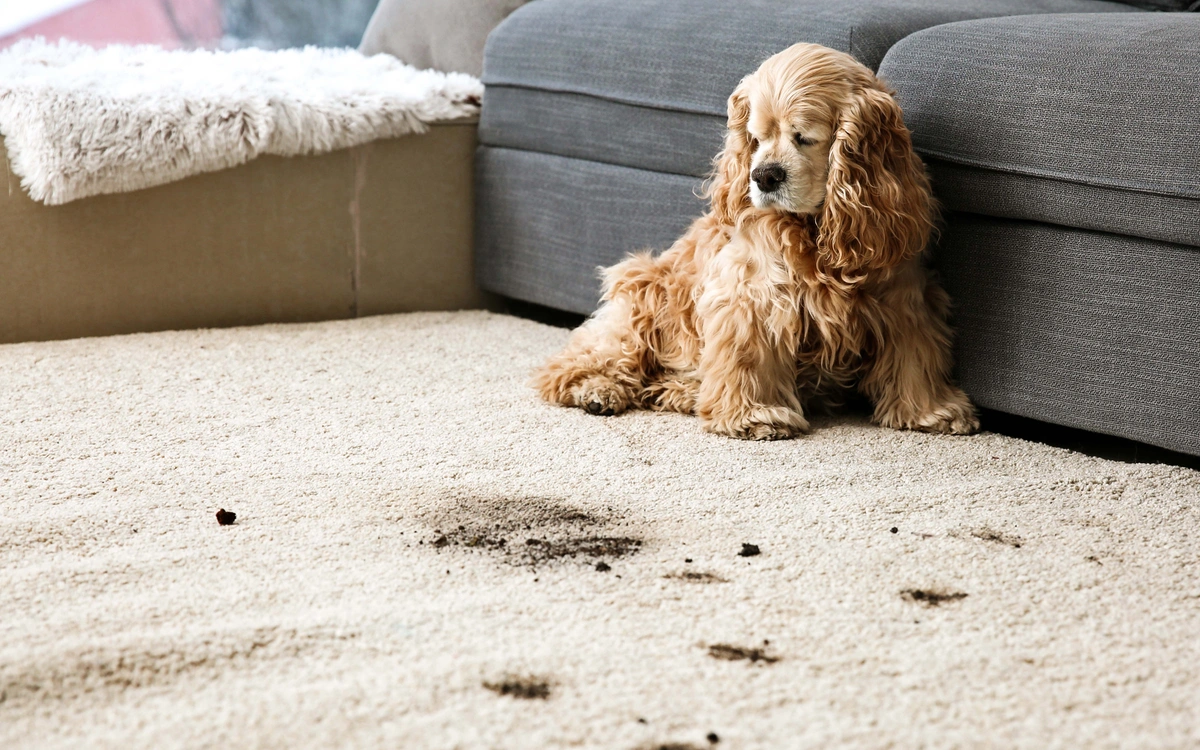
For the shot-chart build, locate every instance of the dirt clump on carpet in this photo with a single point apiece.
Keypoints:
(931, 597)
(694, 576)
(525, 688)
(997, 537)
(725, 652)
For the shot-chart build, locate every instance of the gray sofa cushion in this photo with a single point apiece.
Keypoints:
(1081, 328)
(1018, 196)
(446, 35)
(1081, 120)
(1169, 5)
(643, 83)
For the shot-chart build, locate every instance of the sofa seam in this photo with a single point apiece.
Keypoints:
(503, 147)
(949, 211)
(1049, 175)
(602, 97)
(593, 161)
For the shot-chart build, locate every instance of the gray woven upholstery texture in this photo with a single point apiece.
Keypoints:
(586, 127)
(1094, 116)
(1080, 328)
(636, 74)
(545, 224)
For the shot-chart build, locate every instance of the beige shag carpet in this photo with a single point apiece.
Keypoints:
(426, 556)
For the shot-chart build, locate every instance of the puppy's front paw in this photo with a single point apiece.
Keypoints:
(954, 416)
(760, 423)
(599, 395)
(954, 419)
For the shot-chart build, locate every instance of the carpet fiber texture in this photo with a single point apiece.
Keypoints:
(79, 121)
(426, 556)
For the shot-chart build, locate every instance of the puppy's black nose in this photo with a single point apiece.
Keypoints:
(769, 177)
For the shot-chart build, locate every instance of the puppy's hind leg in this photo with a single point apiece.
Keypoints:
(603, 367)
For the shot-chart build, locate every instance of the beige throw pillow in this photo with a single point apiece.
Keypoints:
(446, 35)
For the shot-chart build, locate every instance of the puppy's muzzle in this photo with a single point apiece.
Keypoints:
(769, 177)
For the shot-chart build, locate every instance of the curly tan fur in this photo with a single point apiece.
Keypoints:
(776, 301)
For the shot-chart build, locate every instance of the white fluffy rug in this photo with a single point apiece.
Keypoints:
(387, 474)
(79, 121)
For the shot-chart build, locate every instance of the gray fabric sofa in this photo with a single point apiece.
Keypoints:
(1063, 137)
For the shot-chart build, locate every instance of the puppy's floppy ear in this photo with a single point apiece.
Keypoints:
(878, 209)
(729, 188)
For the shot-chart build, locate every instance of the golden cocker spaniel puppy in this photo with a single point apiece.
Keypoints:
(803, 281)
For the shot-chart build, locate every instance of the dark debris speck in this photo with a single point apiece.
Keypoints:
(996, 537)
(697, 577)
(525, 688)
(749, 550)
(225, 517)
(931, 597)
(726, 652)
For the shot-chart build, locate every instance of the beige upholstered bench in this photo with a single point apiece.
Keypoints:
(375, 229)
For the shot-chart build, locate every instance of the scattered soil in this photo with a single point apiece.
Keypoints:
(603, 567)
(931, 597)
(525, 688)
(225, 517)
(672, 746)
(749, 550)
(713, 738)
(693, 576)
(503, 526)
(895, 530)
(987, 535)
(544, 550)
(726, 652)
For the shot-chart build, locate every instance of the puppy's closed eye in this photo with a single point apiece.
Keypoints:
(801, 141)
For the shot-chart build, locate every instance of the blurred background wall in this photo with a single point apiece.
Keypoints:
(228, 24)
(294, 23)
